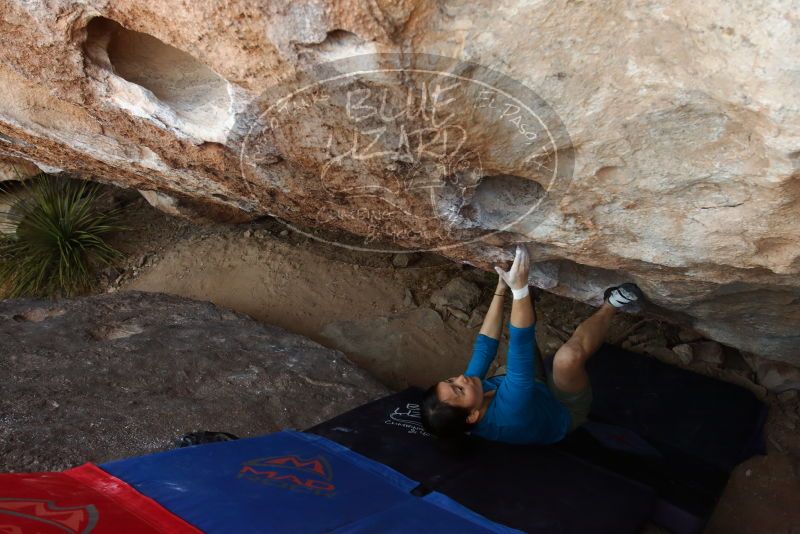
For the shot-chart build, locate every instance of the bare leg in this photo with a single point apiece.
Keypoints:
(569, 371)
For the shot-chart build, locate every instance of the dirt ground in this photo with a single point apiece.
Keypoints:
(377, 310)
(344, 299)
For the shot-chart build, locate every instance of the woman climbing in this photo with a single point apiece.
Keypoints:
(517, 407)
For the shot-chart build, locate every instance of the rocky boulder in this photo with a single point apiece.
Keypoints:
(14, 169)
(110, 376)
(655, 142)
(458, 298)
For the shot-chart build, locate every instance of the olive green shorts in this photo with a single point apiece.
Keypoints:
(579, 404)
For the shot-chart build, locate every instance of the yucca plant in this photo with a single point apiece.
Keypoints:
(55, 238)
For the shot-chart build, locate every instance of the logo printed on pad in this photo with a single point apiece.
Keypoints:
(311, 475)
(34, 515)
(409, 418)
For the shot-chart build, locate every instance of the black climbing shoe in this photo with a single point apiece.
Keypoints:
(627, 297)
(202, 437)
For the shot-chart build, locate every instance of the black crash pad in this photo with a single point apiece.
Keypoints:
(659, 446)
(531, 488)
(696, 430)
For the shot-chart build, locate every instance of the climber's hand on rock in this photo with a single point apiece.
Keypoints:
(517, 276)
(501, 286)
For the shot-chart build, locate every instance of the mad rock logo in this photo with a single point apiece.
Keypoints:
(420, 150)
(18, 516)
(293, 473)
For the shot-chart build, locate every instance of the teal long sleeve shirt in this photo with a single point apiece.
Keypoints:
(523, 409)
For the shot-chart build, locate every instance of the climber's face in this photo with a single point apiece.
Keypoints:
(462, 391)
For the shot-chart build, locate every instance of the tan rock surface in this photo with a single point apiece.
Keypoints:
(673, 161)
(13, 169)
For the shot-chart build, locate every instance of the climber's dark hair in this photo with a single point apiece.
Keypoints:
(441, 419)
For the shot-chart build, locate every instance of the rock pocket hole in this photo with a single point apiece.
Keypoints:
(338, 44)
(502, 200)
(197, 95)
(341, 37)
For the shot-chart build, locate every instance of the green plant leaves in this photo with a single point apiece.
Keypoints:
(58, 239)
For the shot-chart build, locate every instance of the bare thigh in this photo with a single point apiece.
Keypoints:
(569, 368)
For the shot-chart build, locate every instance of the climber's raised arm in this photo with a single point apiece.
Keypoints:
(484, 350)
(493, 322)
(520, 365)
(522, 313)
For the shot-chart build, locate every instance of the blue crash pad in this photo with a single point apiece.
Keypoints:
(290, 482)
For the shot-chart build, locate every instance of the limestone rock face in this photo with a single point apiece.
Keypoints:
(110, 376)
(658, 143)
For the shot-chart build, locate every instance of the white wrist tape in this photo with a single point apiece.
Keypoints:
(520, 293)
